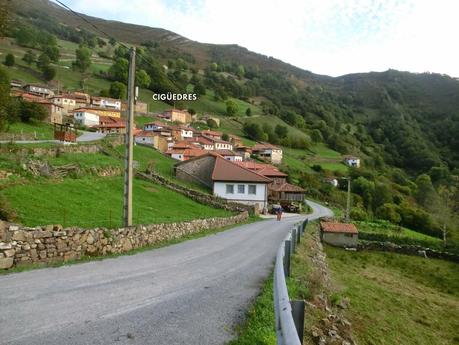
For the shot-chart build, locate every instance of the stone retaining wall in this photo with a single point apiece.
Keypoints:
(202, 198)
(407, 249)
(48, 244)
(50, 151)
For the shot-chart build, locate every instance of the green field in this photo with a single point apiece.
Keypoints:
(86, 160)
(392, 230)
(91, 202)
(40, 130)
(398, 299)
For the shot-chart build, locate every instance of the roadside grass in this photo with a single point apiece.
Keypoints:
(91, 202)
(85, 160)
(41, 130)
(259, 326)
(83, 259)
(398, 299)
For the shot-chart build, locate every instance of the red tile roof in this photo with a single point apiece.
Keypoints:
(338, 228)
(264, 146)
(226, 153)
(286, 187)
(263, 169)
(225, 170)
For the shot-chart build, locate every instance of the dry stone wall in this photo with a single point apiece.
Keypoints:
(48, 244)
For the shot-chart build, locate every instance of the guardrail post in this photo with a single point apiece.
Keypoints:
(298, 317)
(293, 240)
(287, 253)
(298, 233)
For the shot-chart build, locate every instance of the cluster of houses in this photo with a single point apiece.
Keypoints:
(100, 113)
(232, 170)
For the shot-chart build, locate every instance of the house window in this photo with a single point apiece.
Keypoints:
(252, 189)
(241, 188)
(229, 189)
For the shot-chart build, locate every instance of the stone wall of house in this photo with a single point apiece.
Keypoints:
(202, 198)
(21, 245)
(197, 171)
(407, 249)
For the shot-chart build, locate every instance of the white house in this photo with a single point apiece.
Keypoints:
(230, 155)
(226, 179)
(153, 126)
(186, 132)
(222, 145)
(105, 102)
(268, 152)
(86, 118)
(352, 161)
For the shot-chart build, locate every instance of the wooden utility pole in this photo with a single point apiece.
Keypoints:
(127, 214)
(348, 201)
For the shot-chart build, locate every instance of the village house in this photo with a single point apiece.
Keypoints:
(118, 127)
(244, 151)
(81, 99)
(177, 115)
(16, 84)
(86, 117)
(352, 161)
(230, 155)
(268, 152)
(279, 191)
(339, 234)
(211, 134)
(151, 138)
(100, 111)
(153, 126)
(226, 179)
(186, 132)
(220, 144)
(331, 180)
(67, 102)
(39, 90)
(235, 140)
(202, 142)
(106, 102)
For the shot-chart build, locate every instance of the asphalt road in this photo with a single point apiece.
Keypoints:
(194, 292)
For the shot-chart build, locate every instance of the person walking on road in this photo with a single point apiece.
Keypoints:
(279, 213)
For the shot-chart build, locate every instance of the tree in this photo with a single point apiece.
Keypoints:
(43, 61)
(83, 59)
(248, 112)
(142, 78)
(254, 131)
(281, 131)
(191, 111)
(119, 71)
(316, 136)
(425, 194)
(29, 57)
(199, 89)
(9, 60)
(30, 111)
(112, 41)
(231, 108)
(52, 52)
(49, 73)
(389, 212)
(117, 90)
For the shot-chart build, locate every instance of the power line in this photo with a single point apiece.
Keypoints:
(100, 30)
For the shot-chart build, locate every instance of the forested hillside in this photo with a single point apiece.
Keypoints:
(404, 126)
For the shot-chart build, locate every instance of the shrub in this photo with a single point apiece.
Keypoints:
(9, 60)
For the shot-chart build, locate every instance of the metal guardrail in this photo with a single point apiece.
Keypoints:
(289, 330)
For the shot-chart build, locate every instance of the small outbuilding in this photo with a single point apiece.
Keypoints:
(339, 234)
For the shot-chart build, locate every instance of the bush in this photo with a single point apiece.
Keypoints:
(389, 212)
(49, 73)
(358, 214)
(32, 111)
(9, 60)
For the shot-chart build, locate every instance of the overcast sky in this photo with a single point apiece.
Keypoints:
(332, 37)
